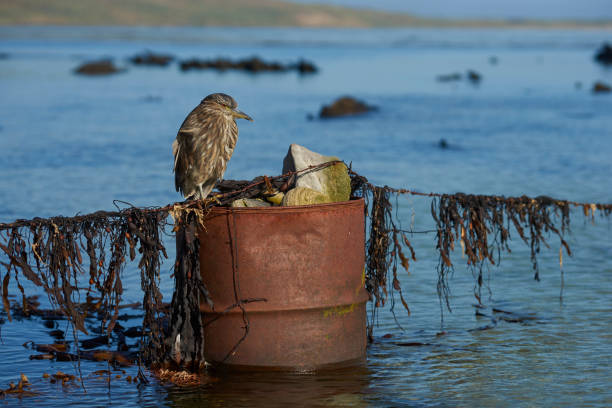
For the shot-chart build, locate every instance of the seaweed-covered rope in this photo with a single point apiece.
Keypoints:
(480, 224)
(53, 253)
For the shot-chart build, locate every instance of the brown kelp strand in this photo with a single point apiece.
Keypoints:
(480, 224)
(79, 261)
(54, 254)
(383, 247)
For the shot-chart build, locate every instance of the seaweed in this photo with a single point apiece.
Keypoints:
(59, 254)
(480, 224)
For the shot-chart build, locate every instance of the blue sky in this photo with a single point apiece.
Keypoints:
(534, 9)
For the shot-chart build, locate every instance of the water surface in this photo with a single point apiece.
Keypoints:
(74, 144)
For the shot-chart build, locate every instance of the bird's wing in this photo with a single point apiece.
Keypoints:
(184, 159)
(176, 148)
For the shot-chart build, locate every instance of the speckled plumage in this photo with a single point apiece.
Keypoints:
(204, 144)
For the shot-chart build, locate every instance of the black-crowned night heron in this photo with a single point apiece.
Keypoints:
(204, 144)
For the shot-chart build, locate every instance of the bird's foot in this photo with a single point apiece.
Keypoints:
(216, 199)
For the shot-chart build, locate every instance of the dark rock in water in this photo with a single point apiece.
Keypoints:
(443, 144)
(152, 98)
(148, 58)
(103, 67)
(474, 76)
(253, 65)
(600, 87)
(343, 106)
(471, 75)
(256, 64)
(305, 67)
(604, 54)
(220, 64)
(455, 76)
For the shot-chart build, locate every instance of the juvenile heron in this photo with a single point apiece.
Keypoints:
(204, 144)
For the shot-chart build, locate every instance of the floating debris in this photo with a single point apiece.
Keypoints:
(95, 342)
(183, 378)
(20, 390)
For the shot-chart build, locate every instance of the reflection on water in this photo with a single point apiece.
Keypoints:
(330, 388)
(73, 144)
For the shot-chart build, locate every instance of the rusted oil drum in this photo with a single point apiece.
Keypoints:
(287, 285)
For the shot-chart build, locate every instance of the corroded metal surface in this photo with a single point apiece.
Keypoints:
(307, 263)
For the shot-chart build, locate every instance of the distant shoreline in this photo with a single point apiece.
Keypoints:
(243, 13)
(450, 24)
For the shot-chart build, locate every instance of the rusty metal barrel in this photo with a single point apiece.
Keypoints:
(288, 286)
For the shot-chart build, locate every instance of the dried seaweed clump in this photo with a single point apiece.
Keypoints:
(482, 225)
(383, 247)
(53, 254)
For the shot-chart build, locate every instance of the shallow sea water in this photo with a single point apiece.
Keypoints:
(74, 144)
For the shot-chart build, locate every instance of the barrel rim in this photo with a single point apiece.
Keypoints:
(357, 202)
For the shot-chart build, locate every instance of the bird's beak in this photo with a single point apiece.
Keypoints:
(240, 115)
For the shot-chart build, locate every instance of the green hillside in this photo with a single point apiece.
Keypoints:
(189, 12)
(221, 13)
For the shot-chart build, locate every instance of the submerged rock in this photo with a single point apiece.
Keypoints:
(250, 202)
(470, 75)
(256, 64)
(604, 54)
(474, 76)
(305, 67)
(148, 58)
(332, 182)
(253, 65)
(600, 87)
(455, 76)
(343, 106)
(102, 67)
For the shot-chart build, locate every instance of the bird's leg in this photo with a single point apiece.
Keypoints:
(201, 192)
